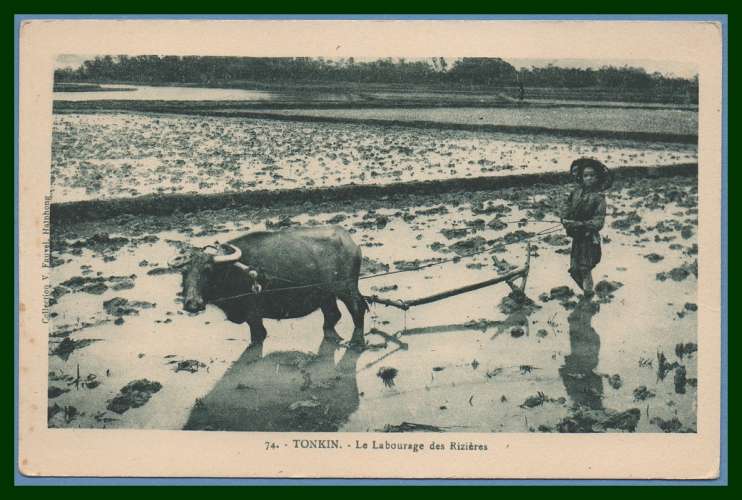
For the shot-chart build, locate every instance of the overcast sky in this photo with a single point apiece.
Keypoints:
(668, 68)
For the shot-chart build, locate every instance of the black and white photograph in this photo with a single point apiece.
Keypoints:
(388, 245)
(311, 244)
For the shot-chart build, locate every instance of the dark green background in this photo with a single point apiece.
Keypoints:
(344, 7)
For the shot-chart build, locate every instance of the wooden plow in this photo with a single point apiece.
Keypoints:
(509, 278)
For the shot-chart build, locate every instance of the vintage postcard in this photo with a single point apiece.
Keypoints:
(370, 249)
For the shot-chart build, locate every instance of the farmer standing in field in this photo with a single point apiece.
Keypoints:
(583, 217)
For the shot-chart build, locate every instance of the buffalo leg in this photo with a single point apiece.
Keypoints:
(357, 308)
(257, 331)
(332, 316)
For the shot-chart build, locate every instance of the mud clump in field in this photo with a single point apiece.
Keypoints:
(561, 293)
(133, 395)
(371, 266)
(412, 265)
(437, 246)
(455, 233)
(55, 391)
(93, 285)
(372, 221)
(490, 209)
(682, 350)
(539, 399)
(464, 247)
(517, 331)
(496, 225)
(439, 210)
(67, 346)
(667, 226)
(187, 365)
(641, 393)
(475, 265)
(604, 289)
(615, 381)
(281, 223)
(517, 301)
(101, 243)
(476, 224)
(159, 271)
(680, 379)
(119, 306)
(653, 257)
(671, 425)
(585, 420)
(411, 427)
(517, 236)
(679, 273)
(557, 240)
(68, 414)
(631, 219)
(336, 219)
(664, 366)
(518, 307)
(502, 265)
(56, 261)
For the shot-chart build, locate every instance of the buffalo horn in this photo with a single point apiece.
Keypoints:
(211, 250)
(232, 257)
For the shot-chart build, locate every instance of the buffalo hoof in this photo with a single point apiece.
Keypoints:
(332, 336)
(357, 344)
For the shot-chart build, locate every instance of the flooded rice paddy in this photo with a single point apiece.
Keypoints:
(117, 155)
(122, 353)
(670, 121)
(163, 93)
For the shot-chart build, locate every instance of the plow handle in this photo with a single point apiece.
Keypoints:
(405, 305)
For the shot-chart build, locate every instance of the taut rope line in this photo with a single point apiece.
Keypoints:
(541, 233)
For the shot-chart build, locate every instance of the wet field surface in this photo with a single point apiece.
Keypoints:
(672, 121)
(160, 93)
(123, 354)
(120, 155)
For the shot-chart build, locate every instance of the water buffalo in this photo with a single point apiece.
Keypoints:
(278, 275)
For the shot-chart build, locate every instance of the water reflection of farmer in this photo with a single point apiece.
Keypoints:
(283, 391)
(584, 386)
(583, 216)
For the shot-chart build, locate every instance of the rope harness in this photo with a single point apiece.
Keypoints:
(325, 284)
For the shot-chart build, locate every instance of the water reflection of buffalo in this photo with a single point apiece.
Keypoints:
(282, 391)
(278, 275)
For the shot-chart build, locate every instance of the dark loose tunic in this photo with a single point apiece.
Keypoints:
(588, 209)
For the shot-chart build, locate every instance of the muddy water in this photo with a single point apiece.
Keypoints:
(123, 155)
(149, 93)
(674, 121)
(453, 365)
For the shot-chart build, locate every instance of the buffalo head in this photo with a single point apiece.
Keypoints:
(197, 268)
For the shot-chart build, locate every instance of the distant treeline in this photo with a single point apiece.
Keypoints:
(466, 71)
